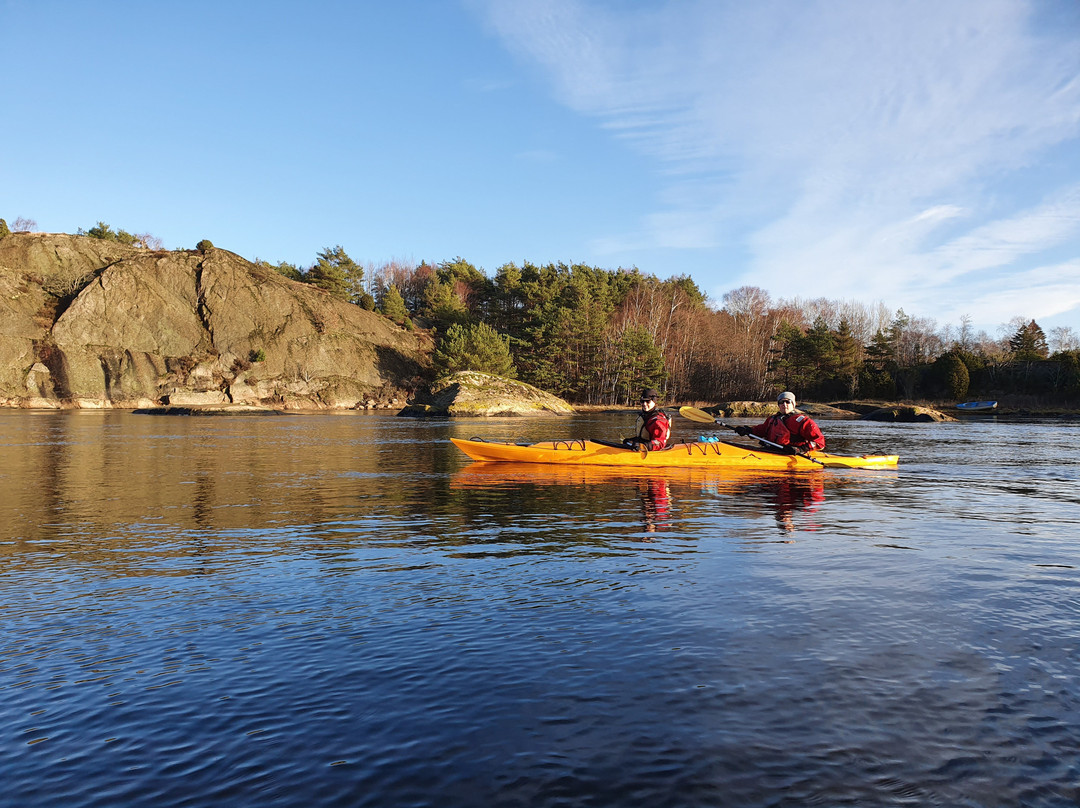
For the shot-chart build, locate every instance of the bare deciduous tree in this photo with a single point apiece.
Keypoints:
(148, 241)
(1063, 338)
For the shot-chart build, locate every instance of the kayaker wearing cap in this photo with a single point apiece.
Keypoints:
(793, 430)
(653, 425)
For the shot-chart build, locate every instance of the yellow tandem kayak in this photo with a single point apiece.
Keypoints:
(717, 454)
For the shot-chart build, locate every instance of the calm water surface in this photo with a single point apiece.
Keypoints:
(343, 610)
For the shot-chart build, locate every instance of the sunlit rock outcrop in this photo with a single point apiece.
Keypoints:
(92, 323)
(473, 394)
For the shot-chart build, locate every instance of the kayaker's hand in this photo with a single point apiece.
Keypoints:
(742, 430)
(630, 443)
(789, 449)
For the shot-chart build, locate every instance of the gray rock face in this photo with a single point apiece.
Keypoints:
(90, 323)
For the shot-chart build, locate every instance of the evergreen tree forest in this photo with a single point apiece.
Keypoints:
(596, 336)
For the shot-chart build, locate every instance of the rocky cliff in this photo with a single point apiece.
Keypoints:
(91, 323)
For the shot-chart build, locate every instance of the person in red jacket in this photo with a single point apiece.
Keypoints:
(793, 430)
(654, 427)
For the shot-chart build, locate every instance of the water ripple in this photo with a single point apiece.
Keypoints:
(301, 613)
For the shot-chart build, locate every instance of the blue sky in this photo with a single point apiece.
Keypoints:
(921, 154)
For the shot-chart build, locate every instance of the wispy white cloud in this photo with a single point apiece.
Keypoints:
(1001, 243)
(911, 264)
(849, 149)
(1042, 292)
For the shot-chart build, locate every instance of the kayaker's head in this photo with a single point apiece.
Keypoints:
(648, 399)
(786, 402)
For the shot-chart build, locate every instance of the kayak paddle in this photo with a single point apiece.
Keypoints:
(702, 417)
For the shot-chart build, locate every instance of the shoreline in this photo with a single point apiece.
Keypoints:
(823, 410)
(742, 409)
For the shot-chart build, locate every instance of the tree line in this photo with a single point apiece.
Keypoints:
(596, 336)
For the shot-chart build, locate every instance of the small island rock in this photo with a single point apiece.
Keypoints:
(473, 394)
(907, 414)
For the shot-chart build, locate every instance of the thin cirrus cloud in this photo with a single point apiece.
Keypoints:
(1051, 289)
(1001, 243)
(881, 151)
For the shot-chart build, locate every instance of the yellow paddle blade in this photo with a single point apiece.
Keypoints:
(694, 414)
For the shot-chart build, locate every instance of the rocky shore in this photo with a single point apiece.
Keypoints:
(864, 410)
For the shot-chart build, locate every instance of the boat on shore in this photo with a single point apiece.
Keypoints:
(711, 454)
(977, 406)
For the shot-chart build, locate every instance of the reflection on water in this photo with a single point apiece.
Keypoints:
(790, 494)
(344, 610)
(655, 498)
(784, 493)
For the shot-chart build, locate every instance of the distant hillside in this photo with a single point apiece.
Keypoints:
(92, 323)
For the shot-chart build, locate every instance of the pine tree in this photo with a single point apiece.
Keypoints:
(790, 358)
(846, 358)
(442, 305)
(338, 274)
(474, 347)
(1028, 344)
(878, 375)
(393, 305)
(643, 362)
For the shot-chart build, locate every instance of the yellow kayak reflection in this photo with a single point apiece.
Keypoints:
(786, 493)
(720, 480)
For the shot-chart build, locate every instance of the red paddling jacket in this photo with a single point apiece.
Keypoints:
(795, 429)
(654, 427)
